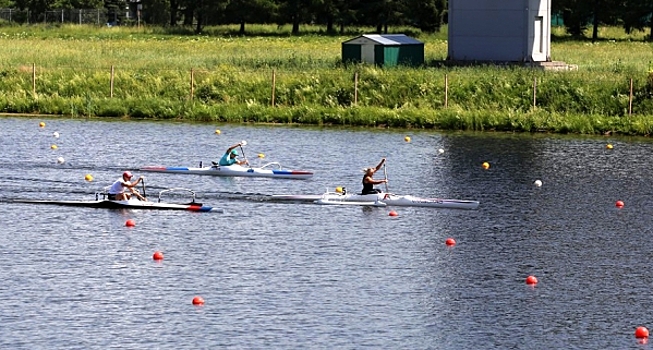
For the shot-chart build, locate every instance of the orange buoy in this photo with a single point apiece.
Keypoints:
(393, 213)
(641, 332)
(450, 242)
(157, 255)
(531, 280)
(130, 223)
(198, 301)
(619, 204)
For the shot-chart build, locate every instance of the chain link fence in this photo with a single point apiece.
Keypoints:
(69, 16)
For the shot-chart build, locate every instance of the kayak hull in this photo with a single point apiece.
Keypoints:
(129, 204)
(234, 170)
(388, 199)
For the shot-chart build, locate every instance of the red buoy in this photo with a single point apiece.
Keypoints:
(198, 301)
(450, 242)
(130, 223)
(531, 280)
(157, 255)
(393, 213)
(619, 204)
(641, 332)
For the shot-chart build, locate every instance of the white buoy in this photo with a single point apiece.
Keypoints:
(440, 151)
(55, 134)
(537, 183)
(60, 160)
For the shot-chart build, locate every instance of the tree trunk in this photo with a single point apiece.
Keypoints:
(295, 26)
(595, 24)
(379, 28)
(242, 27)
(329, 27)
(198, 28)
(173, 13)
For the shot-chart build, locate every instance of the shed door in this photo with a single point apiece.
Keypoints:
(367, 53)
(539, 40)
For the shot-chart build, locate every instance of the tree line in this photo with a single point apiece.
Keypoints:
(426, 15)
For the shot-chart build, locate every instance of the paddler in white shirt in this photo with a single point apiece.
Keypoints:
(117, 190)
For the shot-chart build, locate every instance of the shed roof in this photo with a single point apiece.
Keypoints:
(389, 39)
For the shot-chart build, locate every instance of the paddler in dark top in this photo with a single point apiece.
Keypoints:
(369, 182)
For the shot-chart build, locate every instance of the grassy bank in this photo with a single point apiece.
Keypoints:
(234, 79)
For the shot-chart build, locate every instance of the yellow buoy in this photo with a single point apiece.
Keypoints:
(486, 165)
(218, 132)
(42, 124)
(261, 155)
(608, 146)
(407, 138)
(88, 177)
(54, 147)
(339, 189)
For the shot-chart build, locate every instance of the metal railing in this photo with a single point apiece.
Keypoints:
(70, 16)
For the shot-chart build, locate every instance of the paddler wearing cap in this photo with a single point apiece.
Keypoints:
(369, 182)
(117, 190)
(230, 157)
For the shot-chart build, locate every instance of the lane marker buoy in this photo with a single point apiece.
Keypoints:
(54, 147)
(393, 213)
(130, 223)
(450, 242)
(157, 255)
(218, 132)
(60, 160)
(641, 332)
(55, 134)
(88, 177)
(407, 138)
(537, 183)
(486, 165)
(42, 124)
(198, 300)
(440, 151)
(531, 280)
(619, 204)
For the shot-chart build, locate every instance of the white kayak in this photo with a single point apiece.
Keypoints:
(271, 170)
(380, 199)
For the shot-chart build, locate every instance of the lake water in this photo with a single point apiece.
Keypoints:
(300, 276)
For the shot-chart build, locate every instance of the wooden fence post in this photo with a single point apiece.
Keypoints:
(630, 99)
(274, 83)
(355, 88)
(534, 92)
(192, 87)
(111, 90)
(34, 79)
(446, 90)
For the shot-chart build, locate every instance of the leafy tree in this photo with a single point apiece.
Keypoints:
(576, 14)
(637, 14)
(428, 15)
(116, 10)
(294, 12)
(249, 11)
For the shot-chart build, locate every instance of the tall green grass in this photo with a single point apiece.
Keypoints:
(233, 81)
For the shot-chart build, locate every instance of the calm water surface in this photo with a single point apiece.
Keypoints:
(300, 276)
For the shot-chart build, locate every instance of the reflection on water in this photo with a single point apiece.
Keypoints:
(291, 275)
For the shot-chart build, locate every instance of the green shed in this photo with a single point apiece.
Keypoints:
(386, 50)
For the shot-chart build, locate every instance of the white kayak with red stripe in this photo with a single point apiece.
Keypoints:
(270, 170)
(380, 199)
